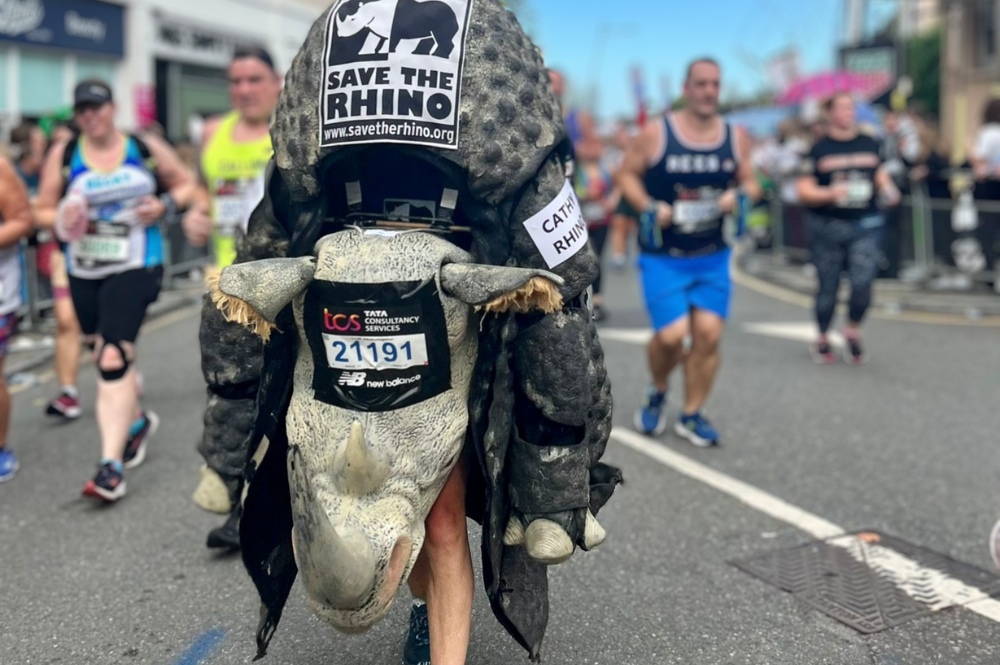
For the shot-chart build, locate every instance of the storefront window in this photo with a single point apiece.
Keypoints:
(985, 26)
(89, 68)
(41, 83)
(3, 80)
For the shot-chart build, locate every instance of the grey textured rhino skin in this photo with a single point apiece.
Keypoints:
(511, 150)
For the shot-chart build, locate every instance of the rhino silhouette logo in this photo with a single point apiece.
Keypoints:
(374, 29)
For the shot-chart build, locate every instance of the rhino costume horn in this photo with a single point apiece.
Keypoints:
(253, 294)
(315, 538)
(359, 470)
(496, 290)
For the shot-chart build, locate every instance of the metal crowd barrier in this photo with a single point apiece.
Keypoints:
(919, 236)
(179, 259)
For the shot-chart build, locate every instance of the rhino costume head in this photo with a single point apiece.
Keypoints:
(362, 484)
(339, 493)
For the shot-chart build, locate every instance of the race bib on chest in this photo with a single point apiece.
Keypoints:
(593, 212)
(377, 347)
(696, 211)
(859, 192)
(105, 243)
(559, 230)
(234, 202)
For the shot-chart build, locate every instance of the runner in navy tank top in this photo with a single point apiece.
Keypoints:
(684, 172)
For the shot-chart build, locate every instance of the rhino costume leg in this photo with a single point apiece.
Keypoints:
(557, 479)
(231, 360)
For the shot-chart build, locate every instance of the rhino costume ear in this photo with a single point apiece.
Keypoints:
(500, 289)
(253, 294)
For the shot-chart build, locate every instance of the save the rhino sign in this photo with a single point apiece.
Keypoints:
(393, 72)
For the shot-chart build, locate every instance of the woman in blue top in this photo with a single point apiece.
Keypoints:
(114, 189)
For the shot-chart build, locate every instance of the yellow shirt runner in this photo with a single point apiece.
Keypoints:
(234, 174)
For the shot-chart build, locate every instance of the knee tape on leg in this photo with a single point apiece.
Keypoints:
(114, 374)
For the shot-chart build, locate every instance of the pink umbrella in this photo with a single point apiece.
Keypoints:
(868, 85)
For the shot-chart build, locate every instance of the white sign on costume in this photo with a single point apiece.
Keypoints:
(559, 230)
(393, 72)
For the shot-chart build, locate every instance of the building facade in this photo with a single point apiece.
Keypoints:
(165, 59)
(970, 68)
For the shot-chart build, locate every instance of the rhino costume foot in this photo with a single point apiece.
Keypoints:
(547, 540)
(212, 494)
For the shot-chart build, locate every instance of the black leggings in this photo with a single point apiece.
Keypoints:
(837, 244)
(115, 306)
(598, 237)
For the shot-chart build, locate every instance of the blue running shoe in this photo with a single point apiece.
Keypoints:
(651, 417)
(418, 643)
(697, 430)
(8, 464)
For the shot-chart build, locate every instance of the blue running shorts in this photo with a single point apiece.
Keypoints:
(674, 286)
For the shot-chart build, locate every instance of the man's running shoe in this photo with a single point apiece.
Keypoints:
(227, 536)
(108, 484)
(822, 352)
(618, 262)
(418, 643)
(64, 405)
(8, 464)
(854, 353)
(144, 427)
(995, 544)
(599, 313)
(697, 430)
(651, 417)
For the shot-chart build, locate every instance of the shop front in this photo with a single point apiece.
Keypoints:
(47, 46)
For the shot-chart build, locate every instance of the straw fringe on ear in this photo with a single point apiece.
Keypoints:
(239, 311)
(538, 293)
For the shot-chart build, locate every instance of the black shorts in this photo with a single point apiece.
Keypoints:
(626, 210)
(115, 306)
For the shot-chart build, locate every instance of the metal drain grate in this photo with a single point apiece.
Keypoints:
(871, 581)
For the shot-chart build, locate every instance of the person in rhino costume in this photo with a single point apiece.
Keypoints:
(539, 382)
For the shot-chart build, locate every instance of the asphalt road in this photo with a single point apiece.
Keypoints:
(906, 445)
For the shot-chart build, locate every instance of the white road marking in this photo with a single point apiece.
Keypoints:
(915, 580)
(795, 331)
(627, 335)
(911, 577)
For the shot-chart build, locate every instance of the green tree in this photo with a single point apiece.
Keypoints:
(924, 67)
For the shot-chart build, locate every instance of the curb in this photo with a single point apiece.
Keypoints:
(155, 311)
(799, 299)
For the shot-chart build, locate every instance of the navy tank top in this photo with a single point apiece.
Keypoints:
(691, 177)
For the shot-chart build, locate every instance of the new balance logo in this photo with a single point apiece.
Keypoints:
(353, 379)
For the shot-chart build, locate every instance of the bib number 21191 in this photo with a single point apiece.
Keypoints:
(375, 353)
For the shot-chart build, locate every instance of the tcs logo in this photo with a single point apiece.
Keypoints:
(341, 322)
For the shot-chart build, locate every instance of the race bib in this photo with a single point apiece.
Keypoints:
(104, 243)
(593, 212)
(235, 201)
(693, 213)
(387, 354)
(859, 192)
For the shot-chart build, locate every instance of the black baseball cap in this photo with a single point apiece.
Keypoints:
(92, 91)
